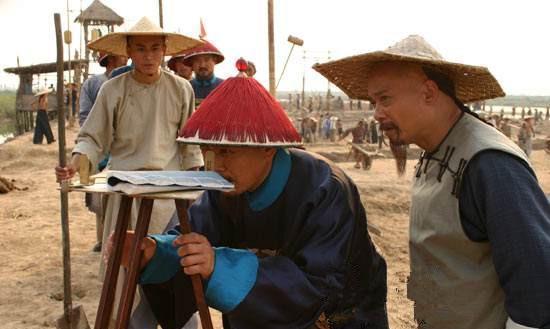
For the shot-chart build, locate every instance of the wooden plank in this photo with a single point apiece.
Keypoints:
(362, 150)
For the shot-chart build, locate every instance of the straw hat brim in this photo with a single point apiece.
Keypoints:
(351, 75)
(218, 58)
(43, 92)
(115, 43)
(200, 141)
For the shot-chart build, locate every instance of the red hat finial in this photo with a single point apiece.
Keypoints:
(242, 65)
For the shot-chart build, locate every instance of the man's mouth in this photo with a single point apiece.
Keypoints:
(388, 126)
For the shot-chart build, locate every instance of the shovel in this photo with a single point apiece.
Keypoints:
(73, 318)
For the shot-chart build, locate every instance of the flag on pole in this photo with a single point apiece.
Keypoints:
(202, 34)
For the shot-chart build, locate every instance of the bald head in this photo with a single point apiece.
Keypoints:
(408, 104)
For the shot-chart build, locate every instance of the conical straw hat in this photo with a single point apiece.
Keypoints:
(115, 43)
(240, 112)
(351, 74)
(43, 92)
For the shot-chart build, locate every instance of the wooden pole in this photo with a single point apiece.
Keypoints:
(160, 15)
(129, 288)
(87, 51)
(304, 82)
(106, 302)
(67, 299)
(196, 281)
(161, 22)
(270, 32)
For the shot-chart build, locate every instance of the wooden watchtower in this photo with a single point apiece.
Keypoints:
(25, 94)
(97, 14)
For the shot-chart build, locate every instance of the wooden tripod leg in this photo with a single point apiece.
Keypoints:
(196, 281)
(111, 275)
(129, 289)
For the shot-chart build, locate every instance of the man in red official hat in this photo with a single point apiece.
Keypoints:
(203, 59)
(322, 270)
(177, 64)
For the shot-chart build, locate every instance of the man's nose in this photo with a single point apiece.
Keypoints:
(379, 114)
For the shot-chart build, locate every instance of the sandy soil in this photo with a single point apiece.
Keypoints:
(30, 249)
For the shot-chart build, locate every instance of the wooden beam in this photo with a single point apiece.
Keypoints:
(271, 32)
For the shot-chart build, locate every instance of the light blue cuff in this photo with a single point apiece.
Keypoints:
(165, 262)
(234, 275)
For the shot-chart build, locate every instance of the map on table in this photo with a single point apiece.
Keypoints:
(139, 182)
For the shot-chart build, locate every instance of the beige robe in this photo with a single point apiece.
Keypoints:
(137, 124)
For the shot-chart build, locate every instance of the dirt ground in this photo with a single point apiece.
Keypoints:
(30, 249)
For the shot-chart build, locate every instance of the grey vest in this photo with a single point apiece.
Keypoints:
(453, 280)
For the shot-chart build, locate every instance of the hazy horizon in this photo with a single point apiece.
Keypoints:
(487, 33)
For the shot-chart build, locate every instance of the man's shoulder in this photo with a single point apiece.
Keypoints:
(94, 80)
(177, 80)
(312, 166)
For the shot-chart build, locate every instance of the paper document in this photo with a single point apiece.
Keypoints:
(139, 182)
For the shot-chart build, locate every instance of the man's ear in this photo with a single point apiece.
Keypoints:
(270, 151)
(430, 92)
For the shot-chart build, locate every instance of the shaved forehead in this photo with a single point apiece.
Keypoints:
(391, 75)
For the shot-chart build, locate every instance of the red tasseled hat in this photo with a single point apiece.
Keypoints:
(172, 61)
(206, 49)
(240, 112)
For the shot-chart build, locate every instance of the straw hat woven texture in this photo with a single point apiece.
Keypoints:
(351, 74)
(115, 43)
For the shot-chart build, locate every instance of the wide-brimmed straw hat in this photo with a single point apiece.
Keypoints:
(115, 43)
(351, 74)
(240, 112)
(43, 92)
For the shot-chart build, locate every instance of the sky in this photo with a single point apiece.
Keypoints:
(509, 37)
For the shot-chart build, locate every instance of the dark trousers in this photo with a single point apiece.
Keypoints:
(42, 128)
(172, 302)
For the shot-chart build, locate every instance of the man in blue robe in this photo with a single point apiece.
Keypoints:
(203, 60)
(315, 265)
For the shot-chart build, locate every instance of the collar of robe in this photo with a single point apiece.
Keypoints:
(207, 82)
(265, 195)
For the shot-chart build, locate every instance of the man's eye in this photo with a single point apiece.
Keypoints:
(384, 99)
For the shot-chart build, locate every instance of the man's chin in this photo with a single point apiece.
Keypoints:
(399, 151)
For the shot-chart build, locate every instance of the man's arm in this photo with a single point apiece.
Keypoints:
(501, 202)
(96, 135)
(86, 102)
(191, 156)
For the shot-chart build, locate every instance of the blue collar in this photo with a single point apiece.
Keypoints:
(273, 185)
(207, 82)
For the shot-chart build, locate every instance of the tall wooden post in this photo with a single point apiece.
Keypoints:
(270, 32)
(304, 82)
(160, 15)
(86, 51)
(161, 23)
